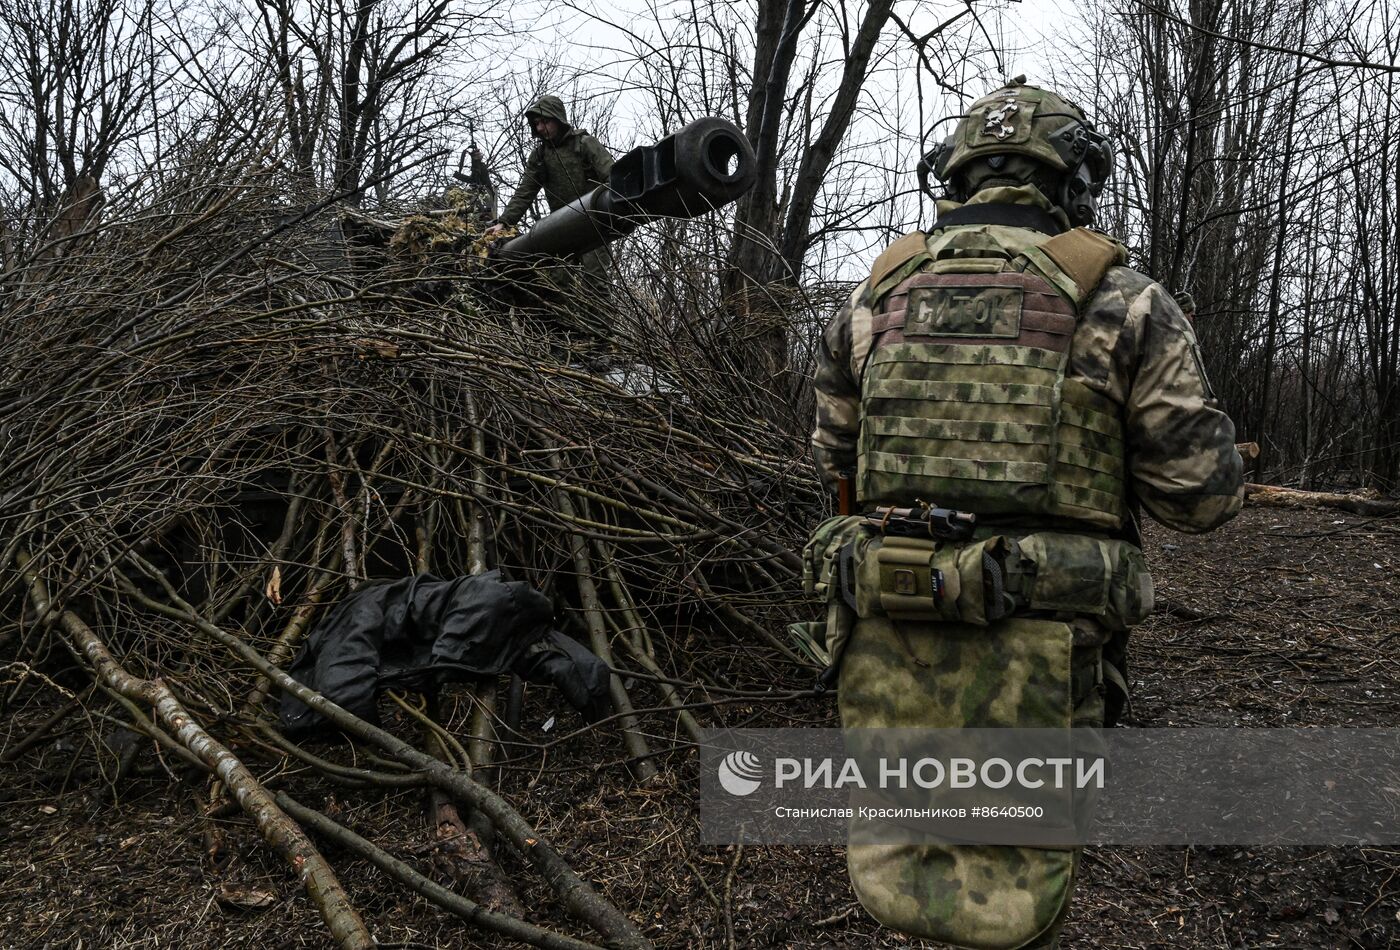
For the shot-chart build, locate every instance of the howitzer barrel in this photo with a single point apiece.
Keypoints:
(704, 166)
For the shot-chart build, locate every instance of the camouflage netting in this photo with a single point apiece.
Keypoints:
(220, 416)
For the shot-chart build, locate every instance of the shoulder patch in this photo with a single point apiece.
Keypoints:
(1085, 256)
(900, 252)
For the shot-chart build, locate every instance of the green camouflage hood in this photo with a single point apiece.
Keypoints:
(549, 107)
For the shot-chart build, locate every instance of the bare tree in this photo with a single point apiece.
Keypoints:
(82, 81)
(366, 86)
(1244, 181)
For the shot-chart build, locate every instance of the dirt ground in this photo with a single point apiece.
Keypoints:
(1281, 618)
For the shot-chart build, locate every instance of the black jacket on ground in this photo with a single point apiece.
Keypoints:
(420, 631)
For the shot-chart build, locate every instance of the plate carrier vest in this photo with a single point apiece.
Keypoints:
(965, 401)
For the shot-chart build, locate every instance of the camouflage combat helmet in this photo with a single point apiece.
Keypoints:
(1068, 159)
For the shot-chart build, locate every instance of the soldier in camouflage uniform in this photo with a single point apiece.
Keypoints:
(1187, 303)
(567, 163)
(1007, 364)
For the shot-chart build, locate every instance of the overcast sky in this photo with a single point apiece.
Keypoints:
(589, 33)
(595, 42)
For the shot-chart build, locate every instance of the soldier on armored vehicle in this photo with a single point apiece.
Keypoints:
(566, 163)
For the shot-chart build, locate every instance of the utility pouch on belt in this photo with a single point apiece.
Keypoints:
(820, 558)
(981, 582)
(919, 579)
(824, 640)
(1102, 578)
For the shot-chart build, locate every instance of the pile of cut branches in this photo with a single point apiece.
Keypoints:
(218, 420)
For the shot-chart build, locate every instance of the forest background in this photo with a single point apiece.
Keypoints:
(224, 410)
(1258, 149)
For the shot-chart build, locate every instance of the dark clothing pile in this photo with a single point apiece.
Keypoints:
(419, 632)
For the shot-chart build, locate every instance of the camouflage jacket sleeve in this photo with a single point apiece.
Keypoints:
(531, 181)
(837, 392)
(599, 160)
(1182, 461)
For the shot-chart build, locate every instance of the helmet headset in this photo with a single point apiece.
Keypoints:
(1069, 165)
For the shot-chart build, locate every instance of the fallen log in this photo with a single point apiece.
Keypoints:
(1366, 502)
(284, 835)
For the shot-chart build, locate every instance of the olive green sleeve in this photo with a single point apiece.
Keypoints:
(600, 160)
(1181, 444)
(531, 181)
(837, 395)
